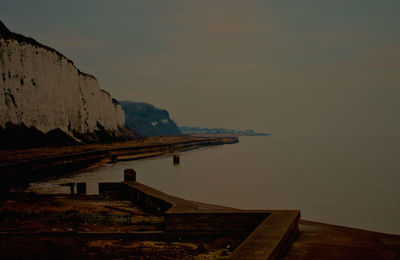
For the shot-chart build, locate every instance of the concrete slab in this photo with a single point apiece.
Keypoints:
(323, 241)
(271, 231)
(271, 238)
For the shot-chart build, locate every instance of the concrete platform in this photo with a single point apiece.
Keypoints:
(323, 241)
(271, 232)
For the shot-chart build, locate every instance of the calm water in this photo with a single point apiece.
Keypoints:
(345, 181)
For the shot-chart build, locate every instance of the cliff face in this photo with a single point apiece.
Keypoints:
(147, 120)
(41, 89)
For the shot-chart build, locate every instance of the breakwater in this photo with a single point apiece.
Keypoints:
(268, 233)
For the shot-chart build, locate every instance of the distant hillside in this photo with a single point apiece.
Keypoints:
(147, 120)
(207, 131)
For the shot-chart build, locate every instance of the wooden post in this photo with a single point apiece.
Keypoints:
(81, 188)
(176, 159)
(129, 175)
(71, 188)
(113, 159)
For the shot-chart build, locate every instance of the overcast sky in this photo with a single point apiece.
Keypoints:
(304, 67)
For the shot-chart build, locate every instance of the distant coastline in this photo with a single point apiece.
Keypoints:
(225, 135)
(198, 131)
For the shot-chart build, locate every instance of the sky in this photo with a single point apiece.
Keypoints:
(304, 67)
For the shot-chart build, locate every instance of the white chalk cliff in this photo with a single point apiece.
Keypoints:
(41, 88)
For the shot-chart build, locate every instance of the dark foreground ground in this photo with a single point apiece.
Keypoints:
(96, 227)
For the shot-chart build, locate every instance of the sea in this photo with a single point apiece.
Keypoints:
(347, 181)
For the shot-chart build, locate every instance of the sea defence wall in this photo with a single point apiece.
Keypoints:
(18, 173)
(270, 232)
(40, 88)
